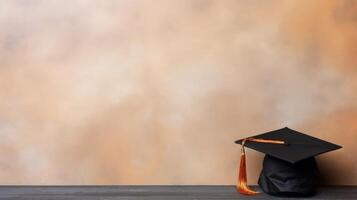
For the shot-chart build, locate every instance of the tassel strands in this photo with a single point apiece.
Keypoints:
(242, 186)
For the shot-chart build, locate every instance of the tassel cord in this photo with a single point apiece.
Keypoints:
(242, 185)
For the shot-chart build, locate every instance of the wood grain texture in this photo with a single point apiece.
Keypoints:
(153, 192)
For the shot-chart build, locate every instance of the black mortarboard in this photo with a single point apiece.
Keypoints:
(289, 167)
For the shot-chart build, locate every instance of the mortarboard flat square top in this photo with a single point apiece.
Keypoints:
(297, 147)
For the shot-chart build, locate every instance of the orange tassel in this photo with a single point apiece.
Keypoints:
(242, 186)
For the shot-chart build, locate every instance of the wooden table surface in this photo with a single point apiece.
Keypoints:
(153, 192)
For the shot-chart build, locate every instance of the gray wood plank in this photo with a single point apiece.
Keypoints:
(153, 192)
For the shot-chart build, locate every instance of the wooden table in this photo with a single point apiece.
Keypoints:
(153, 192)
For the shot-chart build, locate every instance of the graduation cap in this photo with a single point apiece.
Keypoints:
(289, 167)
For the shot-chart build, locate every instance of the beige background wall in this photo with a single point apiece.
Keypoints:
(155, 92)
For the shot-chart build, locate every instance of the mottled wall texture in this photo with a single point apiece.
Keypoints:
(155, 92)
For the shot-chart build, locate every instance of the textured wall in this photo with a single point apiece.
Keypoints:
(155, 92)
